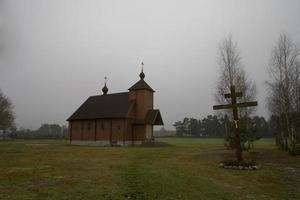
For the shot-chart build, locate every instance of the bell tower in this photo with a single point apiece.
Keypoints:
(142, 93)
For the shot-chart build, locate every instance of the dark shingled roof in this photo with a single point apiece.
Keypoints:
(141, 84)
(153, 117)
(103, 106)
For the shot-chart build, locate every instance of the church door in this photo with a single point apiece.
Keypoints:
(149, 132)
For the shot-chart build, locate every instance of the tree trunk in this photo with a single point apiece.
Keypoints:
(238, 148)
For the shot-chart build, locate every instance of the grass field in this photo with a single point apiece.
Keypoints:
(188, 169)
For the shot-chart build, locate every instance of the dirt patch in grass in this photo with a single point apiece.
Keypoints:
(56, 181)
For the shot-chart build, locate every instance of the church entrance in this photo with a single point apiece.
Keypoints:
(149, 132)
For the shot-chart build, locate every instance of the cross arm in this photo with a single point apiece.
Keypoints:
(229, 95)
(220, 107)
(247, 104)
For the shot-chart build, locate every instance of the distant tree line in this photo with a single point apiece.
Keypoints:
(8, 128)
(214, 126)
(46, 131)
(162, 132)
(252, 128)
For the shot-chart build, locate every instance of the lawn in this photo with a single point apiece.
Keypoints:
(187, 169)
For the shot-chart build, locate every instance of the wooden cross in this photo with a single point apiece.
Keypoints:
(234, 106)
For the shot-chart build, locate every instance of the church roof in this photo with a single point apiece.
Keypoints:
(114, 105)
(153, 117)
(141, 85)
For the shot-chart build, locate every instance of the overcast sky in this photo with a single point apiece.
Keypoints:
(54, 54)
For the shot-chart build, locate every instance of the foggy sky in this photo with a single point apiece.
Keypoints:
(54, 54)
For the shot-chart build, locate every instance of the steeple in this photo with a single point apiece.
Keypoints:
(105, 89)
(141, 84)
(142, 75)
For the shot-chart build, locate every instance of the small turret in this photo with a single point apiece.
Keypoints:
(105, 89)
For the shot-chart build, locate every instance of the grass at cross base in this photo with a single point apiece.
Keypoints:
(53, 169)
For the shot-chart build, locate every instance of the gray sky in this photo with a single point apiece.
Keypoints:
(55, 53)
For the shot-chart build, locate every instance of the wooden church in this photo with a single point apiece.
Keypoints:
(121, 119)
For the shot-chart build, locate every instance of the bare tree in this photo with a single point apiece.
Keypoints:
(283, 100)
(232, 73)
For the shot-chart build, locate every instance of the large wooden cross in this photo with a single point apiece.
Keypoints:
(234, 106)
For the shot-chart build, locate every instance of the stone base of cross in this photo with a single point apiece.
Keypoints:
(234, 106)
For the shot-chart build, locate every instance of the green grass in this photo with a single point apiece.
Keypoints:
(190, 141)
(188, 169)
(198, 140)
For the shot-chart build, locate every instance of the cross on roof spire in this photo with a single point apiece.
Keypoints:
(142, 75)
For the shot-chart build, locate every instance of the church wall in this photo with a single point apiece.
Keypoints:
(132, 95)
(100, 130)
(118, 128)
(75, 130)
(128, 130)
(139, 132)
(120, 131)
(140, 104)
(128, 123)
(131, 112)
(88, 128)
(103, 130)
(149, 97)
(144, 102)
